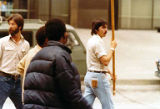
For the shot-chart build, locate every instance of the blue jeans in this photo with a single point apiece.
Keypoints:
(10, 88)
(102, 92)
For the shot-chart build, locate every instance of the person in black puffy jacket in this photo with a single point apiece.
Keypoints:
(52, 80)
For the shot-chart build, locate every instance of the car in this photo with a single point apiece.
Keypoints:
(74, 43)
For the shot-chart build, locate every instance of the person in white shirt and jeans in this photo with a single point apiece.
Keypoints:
(12, 49)
(96, 81)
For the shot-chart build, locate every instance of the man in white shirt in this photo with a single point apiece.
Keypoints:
(96, 82)
(12, 49)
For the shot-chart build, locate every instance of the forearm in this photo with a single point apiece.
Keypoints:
(20, 71)
(20, 68)
(106, 58)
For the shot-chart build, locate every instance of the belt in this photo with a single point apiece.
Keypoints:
(15, 77)
(97, 71)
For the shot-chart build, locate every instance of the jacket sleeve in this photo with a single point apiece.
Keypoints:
(67, 85)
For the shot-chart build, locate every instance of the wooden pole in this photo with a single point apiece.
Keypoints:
(113, 59)
(1, 19)
(0, 7)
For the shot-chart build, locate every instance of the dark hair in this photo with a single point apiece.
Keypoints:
(41, 36)
(55, 29)
(96, 24)
(18, 19)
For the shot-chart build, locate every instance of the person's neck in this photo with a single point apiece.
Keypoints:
(62, 40)
(98, 35)
(17, 37)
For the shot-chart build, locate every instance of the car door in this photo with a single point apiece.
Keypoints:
(78, 52)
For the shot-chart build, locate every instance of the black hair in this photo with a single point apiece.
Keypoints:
(55, 29)
(41, 36)
(96, 24)
(18, 19)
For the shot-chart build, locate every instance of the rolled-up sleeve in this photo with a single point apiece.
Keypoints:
(100, 50)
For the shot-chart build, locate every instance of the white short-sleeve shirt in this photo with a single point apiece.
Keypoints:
(95, 50)
(11, 54)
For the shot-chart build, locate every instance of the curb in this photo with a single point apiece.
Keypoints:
(138, 82)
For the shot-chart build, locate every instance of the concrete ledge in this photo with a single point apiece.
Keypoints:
(132, 83)
(135, 82)
(138, 82)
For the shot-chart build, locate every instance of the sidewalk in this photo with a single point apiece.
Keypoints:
(136, 87)
(135, 55)
(127, 97)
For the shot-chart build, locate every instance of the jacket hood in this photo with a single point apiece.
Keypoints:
(56, 43)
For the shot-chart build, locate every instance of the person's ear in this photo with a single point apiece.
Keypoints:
(66, 34)
(20, 27)
(96, 31)
(64, 38)
(45, 43)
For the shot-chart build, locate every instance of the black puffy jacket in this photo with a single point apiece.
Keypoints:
(52, 81)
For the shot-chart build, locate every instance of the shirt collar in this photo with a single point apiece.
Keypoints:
(97, 36)
(37, 47)
(22, 38)
(56, 43)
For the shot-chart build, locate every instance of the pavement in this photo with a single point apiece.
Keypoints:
(137, 87)
(135, 55)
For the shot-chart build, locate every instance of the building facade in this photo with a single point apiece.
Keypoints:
(129, 14)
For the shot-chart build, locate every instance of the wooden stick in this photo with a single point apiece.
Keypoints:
(113, 59)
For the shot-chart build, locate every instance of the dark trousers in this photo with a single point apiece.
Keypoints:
(11, 88)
